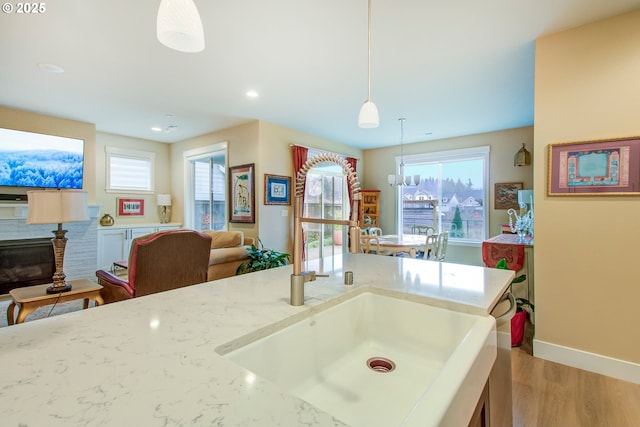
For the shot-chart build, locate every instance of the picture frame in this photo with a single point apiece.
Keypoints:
(129, 207)
(277, 190)
(242, 194)
(505, 195)
(608, 167)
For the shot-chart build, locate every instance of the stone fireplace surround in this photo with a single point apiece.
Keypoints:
(80, 258)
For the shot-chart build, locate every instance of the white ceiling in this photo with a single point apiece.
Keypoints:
(450, 67)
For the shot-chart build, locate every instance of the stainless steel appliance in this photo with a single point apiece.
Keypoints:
(500, 399)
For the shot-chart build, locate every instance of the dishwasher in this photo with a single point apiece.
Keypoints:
(500, 399)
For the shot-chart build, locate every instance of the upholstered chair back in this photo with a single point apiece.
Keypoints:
(159, 262)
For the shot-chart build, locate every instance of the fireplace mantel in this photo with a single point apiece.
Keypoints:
(17, 210)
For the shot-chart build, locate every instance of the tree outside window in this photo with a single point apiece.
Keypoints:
(457, 179)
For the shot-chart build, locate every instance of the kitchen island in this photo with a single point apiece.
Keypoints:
(152, 361)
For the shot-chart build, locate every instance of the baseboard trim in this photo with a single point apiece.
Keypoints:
(616, 368)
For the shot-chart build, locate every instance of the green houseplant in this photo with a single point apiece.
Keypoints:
(262, 259)
(520, 316)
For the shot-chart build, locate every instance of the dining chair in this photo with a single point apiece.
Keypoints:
(435, 248)
(369, 244)
(423, 229)
(375, 231)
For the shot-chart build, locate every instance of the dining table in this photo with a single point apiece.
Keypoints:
(395, 244)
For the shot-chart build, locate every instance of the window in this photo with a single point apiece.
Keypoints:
(205, 187)
(458, 181)
(326, 197)
(129, 170)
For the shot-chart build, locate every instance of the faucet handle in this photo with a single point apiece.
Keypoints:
(308, 276)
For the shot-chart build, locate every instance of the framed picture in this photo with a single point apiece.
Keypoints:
(130, 207)
(506, 195)
(241, 191)
(594, 168)
(277, 190)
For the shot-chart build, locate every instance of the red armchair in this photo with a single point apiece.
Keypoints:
(159, 262)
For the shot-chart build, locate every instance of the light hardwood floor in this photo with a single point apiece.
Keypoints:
(548, 394)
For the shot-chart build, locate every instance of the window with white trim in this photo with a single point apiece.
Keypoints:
(130, 170)
(458, 180)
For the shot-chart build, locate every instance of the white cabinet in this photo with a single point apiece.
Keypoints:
(114, 242)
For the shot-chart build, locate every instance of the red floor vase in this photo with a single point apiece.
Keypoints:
(517, 328)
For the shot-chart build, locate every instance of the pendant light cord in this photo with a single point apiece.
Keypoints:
(369, 52)
(402, 146)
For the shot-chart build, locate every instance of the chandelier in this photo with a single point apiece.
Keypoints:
(401, 179)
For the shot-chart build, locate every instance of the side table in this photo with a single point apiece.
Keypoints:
(30, 298)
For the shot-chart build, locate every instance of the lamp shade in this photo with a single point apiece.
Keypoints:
(369, 117)
(56, 206)
(179, 26)
(164, 199)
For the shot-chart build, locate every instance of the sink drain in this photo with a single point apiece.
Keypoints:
(381, 364)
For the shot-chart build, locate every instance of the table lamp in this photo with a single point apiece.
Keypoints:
(56, 207)
(164, 202)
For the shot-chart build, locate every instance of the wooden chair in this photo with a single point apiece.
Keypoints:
(369, 244)
(375, 231)
(435, 248)
(423, 229)
(159, 262)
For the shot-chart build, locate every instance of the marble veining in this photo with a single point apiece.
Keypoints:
(151, 361)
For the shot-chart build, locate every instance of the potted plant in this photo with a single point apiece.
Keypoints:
(519, 318)
(262, 259)
(337, 235)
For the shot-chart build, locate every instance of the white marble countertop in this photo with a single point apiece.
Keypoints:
(152, 361)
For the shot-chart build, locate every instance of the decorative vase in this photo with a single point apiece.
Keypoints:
(523, 224)
(106, 220)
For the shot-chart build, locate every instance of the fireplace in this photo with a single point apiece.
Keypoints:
(25, 262)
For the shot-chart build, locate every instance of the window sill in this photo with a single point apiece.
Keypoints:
(465, 242)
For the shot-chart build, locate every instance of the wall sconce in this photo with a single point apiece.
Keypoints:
(522, 157)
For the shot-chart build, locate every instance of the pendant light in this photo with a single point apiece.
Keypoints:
(400, 179)
(179, 26)
(368, 117)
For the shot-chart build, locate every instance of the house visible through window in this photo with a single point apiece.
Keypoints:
(130, 170)
(457, 181)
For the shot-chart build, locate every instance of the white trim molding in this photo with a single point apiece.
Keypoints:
(605, 365)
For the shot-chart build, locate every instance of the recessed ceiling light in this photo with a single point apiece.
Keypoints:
(252, 94)
(156, 129)
(50, 68)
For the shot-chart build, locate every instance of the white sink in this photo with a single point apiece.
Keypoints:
(323, 360)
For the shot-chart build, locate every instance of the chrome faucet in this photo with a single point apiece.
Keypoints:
(299, 277)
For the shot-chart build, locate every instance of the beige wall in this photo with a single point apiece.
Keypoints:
(32, 122)
(107, 201)
(242, 149)
(94, 159)
(268, 147)
(276, 158)
(587, 87)
(504, 145)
